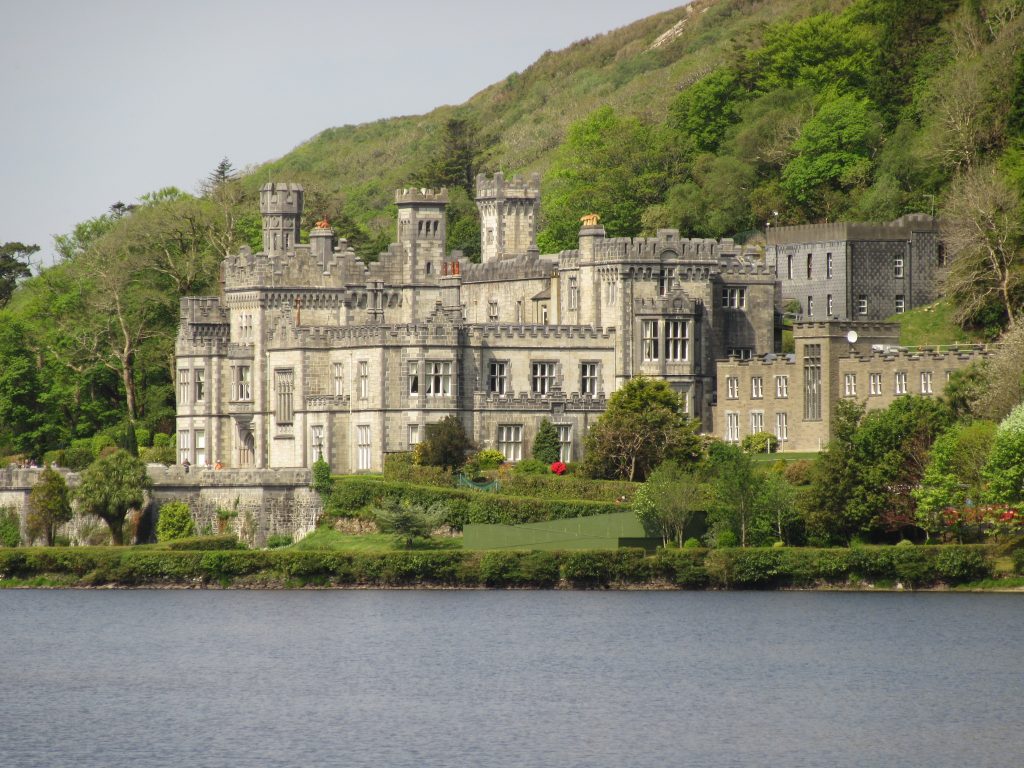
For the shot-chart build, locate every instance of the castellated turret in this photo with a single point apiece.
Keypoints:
(281, 207)
(508, 215)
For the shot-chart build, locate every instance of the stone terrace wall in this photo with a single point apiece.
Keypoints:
(267, 501)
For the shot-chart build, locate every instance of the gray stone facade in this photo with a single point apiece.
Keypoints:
(794, 396)
(858, 271)
(309, 351)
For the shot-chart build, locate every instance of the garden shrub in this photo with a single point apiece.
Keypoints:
(683, 567)
(206, 543)
(174, 522)
(10, 527)
(599, 568)
(531, 467)
(78, 455)
(278, 540)
(760, 442)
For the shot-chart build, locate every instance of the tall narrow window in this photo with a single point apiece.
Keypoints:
(415, 435)
(901, 304)
(926, 382)
(732, 427)
(666, 281)
(492, 311)
(184, 447)
(243, 383)
(828, 266)
(510, 441)
(781, 387)
(200, 384)
(732, 387)
(897, 266)
(564, 442)
(519, 311)
(183, 387)
(828, 302)
(316, 443)
(756, 422)
(574, 293)
(339, 380)
(588, 378)
(414, 377)
(781, 427)
(543, 378)
(284, 385)
(363, 446)
(850, 385)
(439, 379)
(364, 380)
(497, 377)
(809, 264)
(875, 384)
(246, 448)
(649, 339)
(789, 266)
(676, 341)
(810, 306)
(200, 443)
(757, 388)
(812, 382)
(901, 383)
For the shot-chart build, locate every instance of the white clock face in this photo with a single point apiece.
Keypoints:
(851, 337)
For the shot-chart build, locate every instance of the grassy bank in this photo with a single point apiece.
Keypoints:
(862, 567)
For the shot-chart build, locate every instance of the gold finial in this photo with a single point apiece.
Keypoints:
(323, 224)
(590, 220)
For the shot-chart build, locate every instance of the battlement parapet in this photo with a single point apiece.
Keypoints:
(519, 401)
(501, 188)
(667, 245)
(422, 195)
(281, 197)
(175, 476)
(897, 229)
(525, 267)
(489, 332)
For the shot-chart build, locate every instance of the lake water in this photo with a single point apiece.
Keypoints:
(436, 678)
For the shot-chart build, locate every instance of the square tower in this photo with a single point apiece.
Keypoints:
(508, 215)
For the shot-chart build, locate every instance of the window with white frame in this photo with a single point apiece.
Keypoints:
(734, 298)
(828, 266)
(789, 266)
(243, 383)
(862, 304)
(897, 266)
(926, 382)
(875, 384)
(339, 379)
(900, 387)
(781, 387)
(542, 378)
(415, 435)
(732, 387)
(316, 442)
(781, 427)
(588, 378)
(757, 387)
(363, 447)
(810, 306)
(829, 305)
(676, 340)
(850, 382)
(363, 370)
(200, 445)
(184, 447)
(183, 386)
(666, 281)
(564, 442)
(732, 427)
(497, 377)
(510, 441)
(901, 304)
(756, 422)
(742, 353)
(284, 386)
(439, 378)
(812, 382)
(200, 385)
(519, 311)
(574, 293)
(649, 339)
(810, 262)
(492, 311)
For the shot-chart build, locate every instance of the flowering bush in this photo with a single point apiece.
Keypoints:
(992, 520)
(558, 467)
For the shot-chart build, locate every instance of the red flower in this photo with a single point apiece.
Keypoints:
(558, 467)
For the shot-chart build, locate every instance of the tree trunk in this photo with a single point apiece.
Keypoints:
(116, 532)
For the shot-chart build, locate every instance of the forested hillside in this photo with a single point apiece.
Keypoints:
(714, 118)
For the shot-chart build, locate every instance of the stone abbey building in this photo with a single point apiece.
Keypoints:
(309, 351)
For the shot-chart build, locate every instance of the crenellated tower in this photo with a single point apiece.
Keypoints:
(281, 208)
(422, 228)
(508, 215)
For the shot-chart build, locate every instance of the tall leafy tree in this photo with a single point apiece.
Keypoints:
(49, 506)
(111, 487)
(13, 267)
(546, 447)
(670, 499)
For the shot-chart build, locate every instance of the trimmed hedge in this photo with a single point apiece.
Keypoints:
(565, 487)
(352, 494)
(687, 568)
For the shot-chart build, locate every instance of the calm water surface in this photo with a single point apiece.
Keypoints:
(354, 678)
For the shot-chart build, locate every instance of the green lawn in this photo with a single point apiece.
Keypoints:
(787, 456)
(932, 325)
(330, 539)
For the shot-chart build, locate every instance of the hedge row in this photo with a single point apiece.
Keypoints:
(566, 487)
(352, 494)
(690, 569)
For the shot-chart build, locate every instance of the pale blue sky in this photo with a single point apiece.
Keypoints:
(109, 99)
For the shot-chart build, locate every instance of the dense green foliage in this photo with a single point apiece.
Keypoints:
(407, 520)
(49, 506)
(444, 444)
(688, 568)
(175, 522)
(10, 527)
(111, 487)
(546, 447)
(353, 495)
